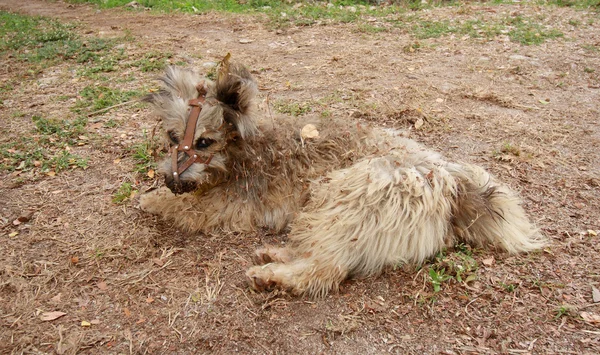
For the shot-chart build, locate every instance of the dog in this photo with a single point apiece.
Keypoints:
(353, 198)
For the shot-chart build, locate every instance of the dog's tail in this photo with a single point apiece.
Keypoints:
(486, 212)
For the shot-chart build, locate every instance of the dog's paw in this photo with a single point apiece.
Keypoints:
(151, 201)
(260, 278)
(269, 254)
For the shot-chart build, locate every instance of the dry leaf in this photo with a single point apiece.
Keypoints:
(595, 295)
(488, 261)
(51, 173)
(74, 260)
(309, 131)
(149, 300)
(151, 174)
(158, 262)
(127, 312)
(116, 161)
(25, 217)
(95, 321)
(85, 323)
(419, 123)
(590, 317)
(13, 234)
(592, 233)
(48, 316)
(246, 40)
(102, 285)
(56, 299)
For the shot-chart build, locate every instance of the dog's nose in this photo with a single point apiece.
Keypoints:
(179, 187)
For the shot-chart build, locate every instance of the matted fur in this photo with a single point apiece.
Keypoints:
(355, 199)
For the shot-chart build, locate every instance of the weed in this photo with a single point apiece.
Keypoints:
(152, 61)
(292, 108)
(564, 310)
(111, 123)
(438, 276)
(65, 159)
(589, 70)
(142, 154)
(526, 32)
(508, 148)
(45, 42)
(94, 98)
(509, 287)
(432, 29)
(124, 192)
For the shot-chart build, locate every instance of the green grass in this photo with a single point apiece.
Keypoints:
(47, 149)
(152, 61)
(125, 192)
(459, 266)
(94, 98)
(39, 39)
(142, 155)
(292, 108)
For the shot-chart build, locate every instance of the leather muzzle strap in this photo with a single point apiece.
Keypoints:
(188, 139)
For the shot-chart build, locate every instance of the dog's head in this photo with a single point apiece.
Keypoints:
(222, 111)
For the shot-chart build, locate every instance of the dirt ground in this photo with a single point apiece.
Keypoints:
(130, 283)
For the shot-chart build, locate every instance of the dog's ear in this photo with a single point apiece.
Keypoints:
(236, 90)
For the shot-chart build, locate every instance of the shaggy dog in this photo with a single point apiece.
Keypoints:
(354, 199)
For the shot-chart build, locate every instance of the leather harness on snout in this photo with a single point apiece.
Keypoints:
(188, 139)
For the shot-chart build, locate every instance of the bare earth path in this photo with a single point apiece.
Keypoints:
(528, 113)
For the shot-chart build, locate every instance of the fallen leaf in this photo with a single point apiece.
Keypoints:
(26, 217)
(593, 233)
(85, 323)
(309, 131)
(595, 295)
(56, 299)
(149, 300)
(74, 260)
(439, 100)
(246, 40)
(51, 173)
(590, 317)
(158, 262)
(48, 316)
(141, 320)
(16, 222)
(151, 174)
(102, 285)
(127, 312)
(95, 321)
(116, 161)
(419, 123)
(488, 261)
(13, 234)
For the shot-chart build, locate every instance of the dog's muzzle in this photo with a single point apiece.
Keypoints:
(174, 182)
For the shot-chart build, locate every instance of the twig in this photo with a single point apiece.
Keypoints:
(111, 107)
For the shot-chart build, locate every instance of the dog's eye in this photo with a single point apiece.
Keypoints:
(202, 143)
(173, 137)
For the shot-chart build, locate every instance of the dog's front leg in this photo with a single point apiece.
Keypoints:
(301, 276)
(183, 210)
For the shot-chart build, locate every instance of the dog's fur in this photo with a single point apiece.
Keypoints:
(355, 199)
